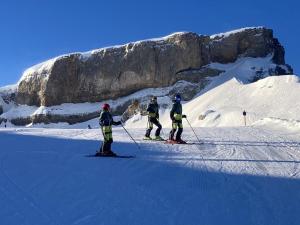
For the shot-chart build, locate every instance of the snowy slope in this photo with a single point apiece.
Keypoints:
(273, 100)
(8, 89)
(244, 69)
(238, 176)
(81, 108)
(272, 97)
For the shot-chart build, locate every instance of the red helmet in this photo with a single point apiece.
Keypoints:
(105, 106)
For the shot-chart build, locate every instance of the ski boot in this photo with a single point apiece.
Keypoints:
(171, 141)
(106, 153)
(158, 138)
(146, 138)
(180, 141)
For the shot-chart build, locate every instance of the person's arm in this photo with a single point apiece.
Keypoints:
(148, 108)
(172, 112)
(101, 119)
(116, 123)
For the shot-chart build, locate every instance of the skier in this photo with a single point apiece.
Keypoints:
(176, 117)
(106, 121)
(153, 117)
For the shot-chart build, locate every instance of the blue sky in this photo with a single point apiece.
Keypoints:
(32, 31)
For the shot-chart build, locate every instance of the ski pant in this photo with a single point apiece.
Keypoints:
(176, 124)
(108, 140)
(151, 121)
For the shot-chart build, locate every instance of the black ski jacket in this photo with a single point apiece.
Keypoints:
(153, 109)
(176, 110)
(106, 119)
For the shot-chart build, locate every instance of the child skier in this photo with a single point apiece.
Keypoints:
(153, 116)
(106, 121)
(176, 117)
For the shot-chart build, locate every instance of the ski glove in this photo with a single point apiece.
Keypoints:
(183, 116)
(118, 123)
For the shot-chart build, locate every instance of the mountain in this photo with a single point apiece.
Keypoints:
(118, 71)
(72, 87)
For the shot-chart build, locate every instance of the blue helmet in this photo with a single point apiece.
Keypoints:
(177, 98)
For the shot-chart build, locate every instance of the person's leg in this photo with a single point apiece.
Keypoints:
(157, 123)
(107, 136)
(179, 132)
(105, 147)
(150, 127)
(110, 152)
(172, 132)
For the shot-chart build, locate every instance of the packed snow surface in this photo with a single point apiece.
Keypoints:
(234, 174)
(241, 175)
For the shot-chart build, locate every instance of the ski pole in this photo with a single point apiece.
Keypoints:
(131, 137)
(193, 130)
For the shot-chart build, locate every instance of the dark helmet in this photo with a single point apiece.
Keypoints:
(154, 98)
(106, 106)
(177, 98)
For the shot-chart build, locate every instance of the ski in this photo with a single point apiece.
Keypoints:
(146, 139)
(111, 156)
(186, 143)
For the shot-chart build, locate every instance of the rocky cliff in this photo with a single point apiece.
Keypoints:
(113, 72)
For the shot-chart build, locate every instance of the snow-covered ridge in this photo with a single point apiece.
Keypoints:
(8, 89)
(44, 68)
(227, 34)
(87, 54)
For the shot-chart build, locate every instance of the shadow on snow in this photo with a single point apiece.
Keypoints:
(45, 180)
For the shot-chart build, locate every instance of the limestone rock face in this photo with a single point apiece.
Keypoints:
(113, 72)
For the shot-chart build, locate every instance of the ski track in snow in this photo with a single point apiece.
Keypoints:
(240, 175)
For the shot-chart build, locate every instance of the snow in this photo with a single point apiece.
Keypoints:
(244, 69)
(272, 97)
(24, 111)
(237, 174)
(8, 89)
(227, 34)
(242, 175)
(5, 107)
(42, 69)
(271, 100)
